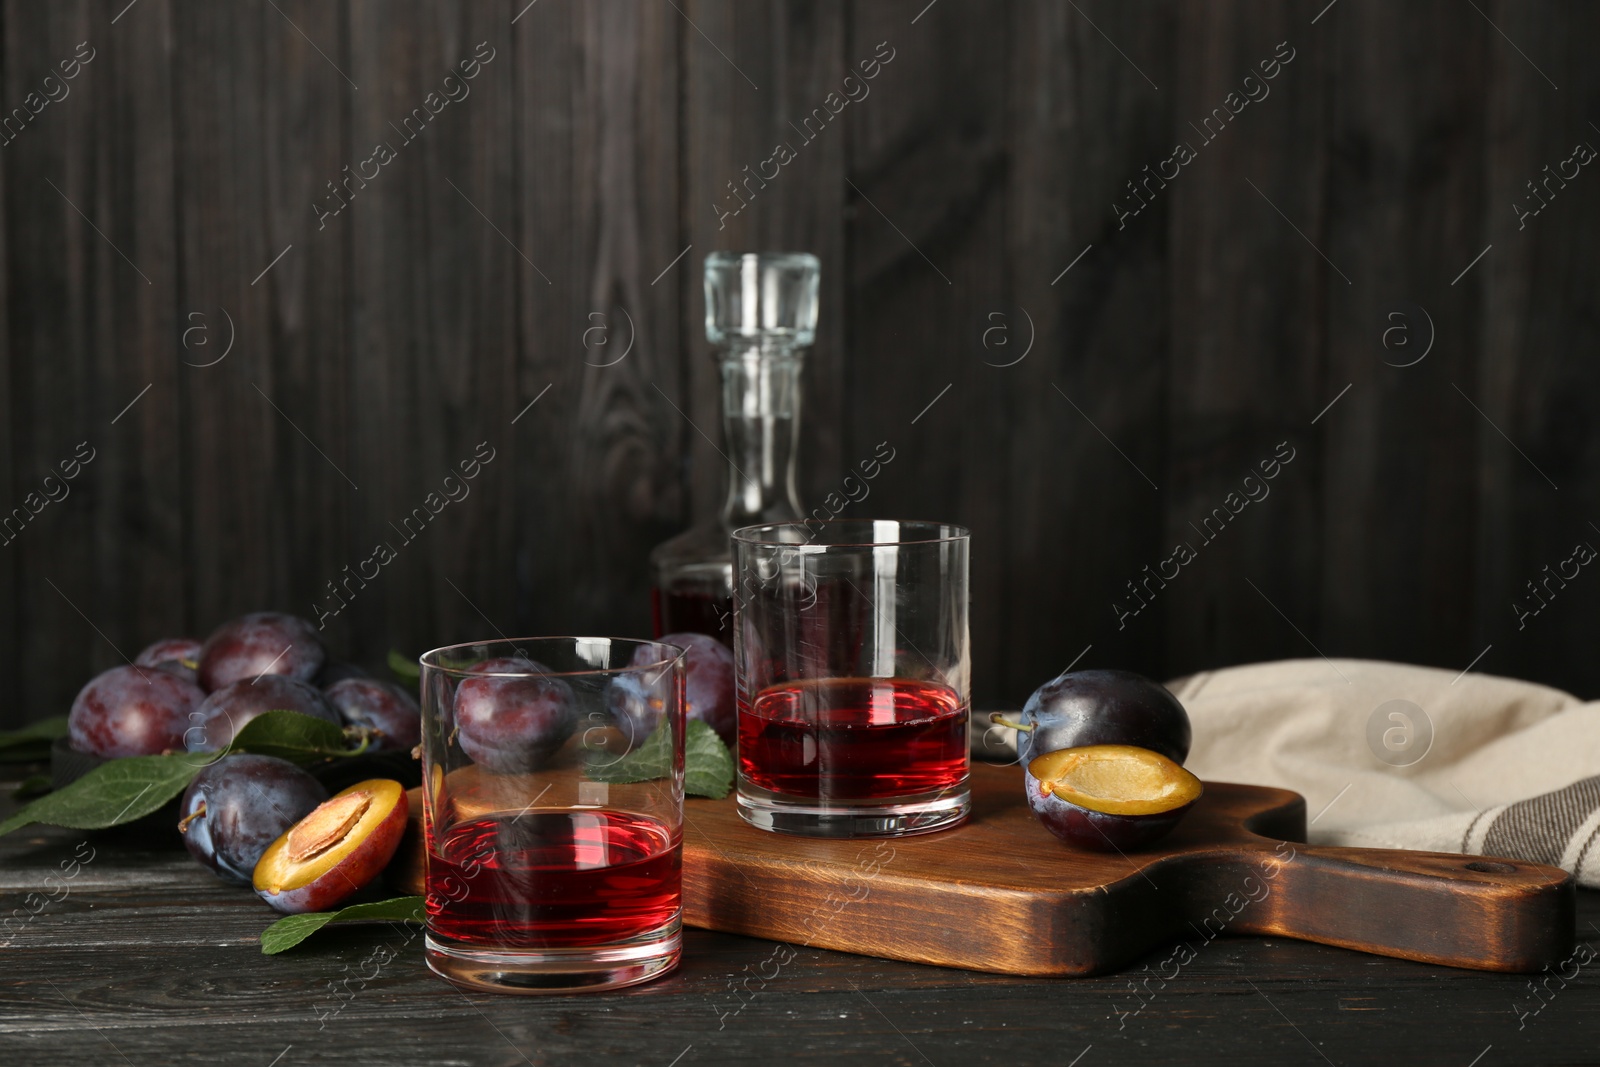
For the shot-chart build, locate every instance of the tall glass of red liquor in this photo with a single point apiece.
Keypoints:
(553, 812)
(853, 667)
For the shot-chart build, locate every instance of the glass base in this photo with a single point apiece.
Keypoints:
(807, 817)
(570, 970)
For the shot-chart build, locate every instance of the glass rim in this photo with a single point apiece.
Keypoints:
(423, 661)
(932, 533)
(725, 256)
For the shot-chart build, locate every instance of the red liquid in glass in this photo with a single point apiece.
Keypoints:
(693, 612)
(553, 879)
(854, 738)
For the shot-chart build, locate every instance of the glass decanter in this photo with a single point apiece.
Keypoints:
(761, 316)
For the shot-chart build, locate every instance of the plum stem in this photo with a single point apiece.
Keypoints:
(996, 717)
(364, 735)
(197, 813)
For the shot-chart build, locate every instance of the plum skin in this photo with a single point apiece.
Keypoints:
(708, 693)
(176, 655)
(260, 643)
(219, 718)
(1104, 707)
(634, 711)
(169, 648)
(352, 871)
(132, 711)
(380, 706)
(707, 682)
(250, 801)
(1098, 830)
(513, 722)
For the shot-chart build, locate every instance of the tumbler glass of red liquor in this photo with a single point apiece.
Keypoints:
(550, 870)
(853, 668)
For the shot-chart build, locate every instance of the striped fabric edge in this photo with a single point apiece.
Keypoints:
(1560, 828)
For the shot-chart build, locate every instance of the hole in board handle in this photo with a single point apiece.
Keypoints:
(1486, 867)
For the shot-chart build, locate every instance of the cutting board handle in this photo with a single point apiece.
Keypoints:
(1433, 907)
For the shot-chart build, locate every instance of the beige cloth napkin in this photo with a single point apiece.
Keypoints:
(1510, 769)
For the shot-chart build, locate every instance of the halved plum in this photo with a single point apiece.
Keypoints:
(339, 848)
(1111, 798)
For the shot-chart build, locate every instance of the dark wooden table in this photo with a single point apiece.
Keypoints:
(143, 957)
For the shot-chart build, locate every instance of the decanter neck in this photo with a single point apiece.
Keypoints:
(761, 428)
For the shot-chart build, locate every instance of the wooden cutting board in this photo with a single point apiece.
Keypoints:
(1000, 894)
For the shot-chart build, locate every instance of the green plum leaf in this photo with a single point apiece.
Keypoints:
(708, 766)
(405, 668)
(289, 931)
(116, 792)
(298, 738)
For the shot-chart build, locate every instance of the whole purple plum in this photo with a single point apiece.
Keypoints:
(236, 807)
(265, 642)
(707, 682)
(176, 655)
(168, 648)
(382, 707)
(218, 720)
(132, 711)
(635, 707)
(1102, 707)
(512, 716)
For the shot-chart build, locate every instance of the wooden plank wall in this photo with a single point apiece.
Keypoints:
(1081, 371)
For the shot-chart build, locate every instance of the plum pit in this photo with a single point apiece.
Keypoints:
(325, 827)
